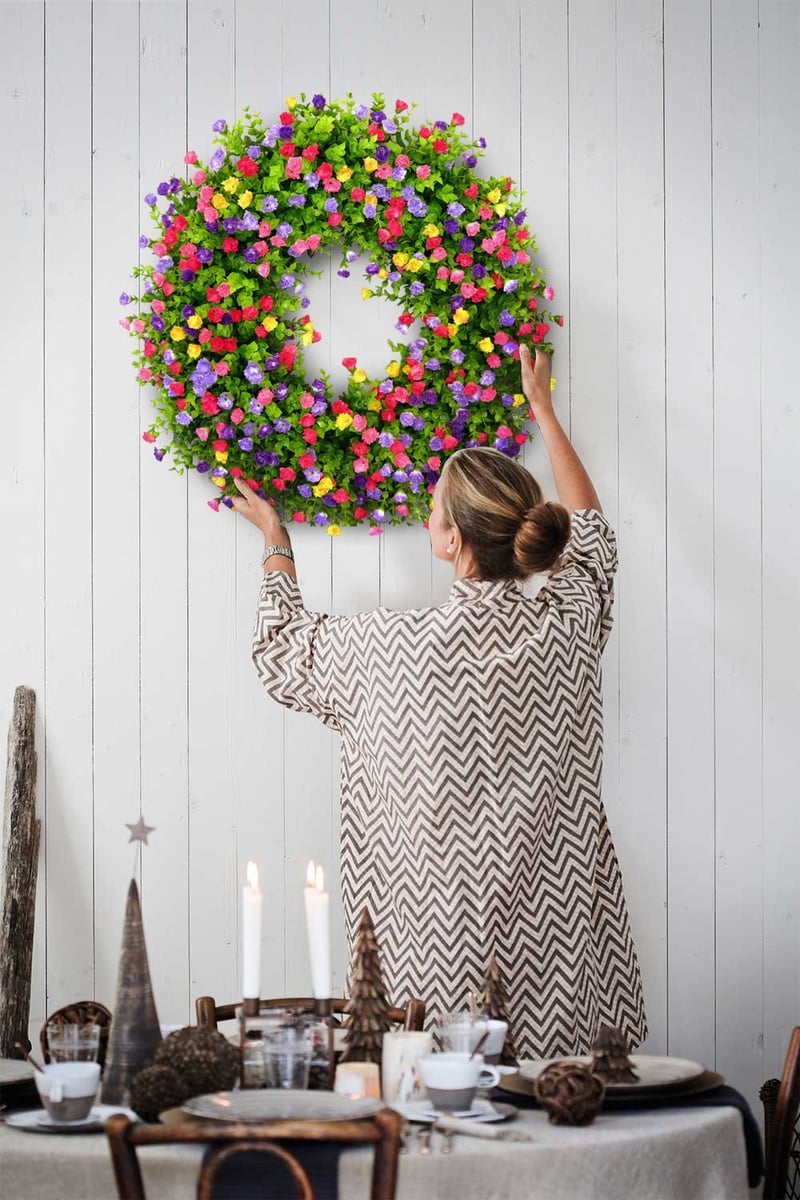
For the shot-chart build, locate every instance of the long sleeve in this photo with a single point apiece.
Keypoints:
(584, 580)
(307, 661)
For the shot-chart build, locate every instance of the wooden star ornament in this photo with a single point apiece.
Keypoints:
(140, 831)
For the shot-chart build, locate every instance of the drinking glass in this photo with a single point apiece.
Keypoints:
(73, 1043)
(460, 1032)
(287, 1056)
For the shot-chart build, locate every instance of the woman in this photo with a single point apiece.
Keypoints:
(471, 743)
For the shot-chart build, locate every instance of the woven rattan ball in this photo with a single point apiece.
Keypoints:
(570, 1094)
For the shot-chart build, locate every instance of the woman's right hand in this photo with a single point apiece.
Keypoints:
(536, 381)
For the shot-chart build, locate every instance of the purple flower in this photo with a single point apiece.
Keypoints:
(362, 112)
(186, 275)
(245, 443)
(219, 126)
(331, 204)
(174, 186)
(343, 274)
(509, 348)
(124, 298)
(318, 408)
(399, 173)
(219, 473)
(417, 288)
(311, 179)
(205, 255)
(225, 401)
(163, 189)
(254, 152)
(202, 466)
(407, 418)
(510, 285)
(478, 271)
(187, 311)
(321, 519)
(382, 153)
(466, 244)
(183, 418)
(281, 392)
(385, 439)
(372, 268)
(230, 224)
(369, 210)
(486, 379)
(150, 199)
(250, 255)
(482, 143)
(507, 400)
(282, 425)
(217, 159)
(144, 241)
(455, 209)
(284, 229)
(269, 204)
(298, 200)
(248, 221)
(432, 364)
(389, 126)
(253, 373)
(378, 116)
(386, 387)
(378, 514)
(506, 317)
(285, 132)
(318, 101)
(450, 226)
(417, 207)
(457, 356)
(470, 160)
(304, 490)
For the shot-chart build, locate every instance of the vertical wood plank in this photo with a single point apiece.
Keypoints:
(779, 177)
(737, 546)
(68, 766)
(690, 529)
(215, 872)
(115, 450)
(258, 731)
(22, 479)
(640, 826)
(162, 500)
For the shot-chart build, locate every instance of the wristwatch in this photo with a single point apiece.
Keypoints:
(286, 551)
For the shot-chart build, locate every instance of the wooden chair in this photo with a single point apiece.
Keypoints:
(781, 1134)
(83, 1012)
(209, 1013)
(381, 1131)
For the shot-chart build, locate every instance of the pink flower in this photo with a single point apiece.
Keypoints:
(144, 373)
(263, 269)
(423, 172)
(456, 275)
(148, 437)
(548, 293)
(202, 433)
(190, 157)
(359, 422)
(313, 241)
(457, 119)
(293, 167)
(400, 106)
(199, 177)
(442, 273)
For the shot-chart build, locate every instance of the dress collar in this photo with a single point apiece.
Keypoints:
(486, 589)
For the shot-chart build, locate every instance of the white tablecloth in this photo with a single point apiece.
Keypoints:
(669, 1154)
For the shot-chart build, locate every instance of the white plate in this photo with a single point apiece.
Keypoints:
(481, 1111)
(653, 1070)
(40, 1121)
(14, 1070)
(275, 1104)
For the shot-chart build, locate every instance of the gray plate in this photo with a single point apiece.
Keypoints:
(274, 1104)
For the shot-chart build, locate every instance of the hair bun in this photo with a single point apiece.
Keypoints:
(541, 537)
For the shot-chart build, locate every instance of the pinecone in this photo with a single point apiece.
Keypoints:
(610, 1060)
(155, 1089)
(203, 1058)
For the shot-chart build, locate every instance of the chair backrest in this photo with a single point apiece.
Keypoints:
(382, 1131)
(209, 1013)
(781, 1132)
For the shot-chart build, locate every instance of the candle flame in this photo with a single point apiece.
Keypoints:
(252, 875)
(310, 875)
(320, 880)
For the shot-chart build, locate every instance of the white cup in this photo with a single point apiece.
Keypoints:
(402, 1051)
(452, 1079)
(493, 1046)
(67, 1090)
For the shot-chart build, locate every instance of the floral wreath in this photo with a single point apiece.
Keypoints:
(222, 319)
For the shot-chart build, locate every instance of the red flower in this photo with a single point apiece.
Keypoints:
(310, 436)
(287, 150)
(230, 245)
(266, 303)
(250, 312)
(424, 132)
(220, 445)
(471, 191)
(341, 496)
(334, 219)
(247, 166)
(287, 356)
(406, 319)
(350, 365)
(357, 194)
(324, 170)
(209, 405)
(212, 295)
(279, 484)
(400, 106)
(360, 513)
(441, 146)
(306, 461)
(395, 227)
(287, 473)
(457, 119)
(310, 152)
(287, 118)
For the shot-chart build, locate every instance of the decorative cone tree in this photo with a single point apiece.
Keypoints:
(494, 1000)
(135, 1032)
(368, 1007)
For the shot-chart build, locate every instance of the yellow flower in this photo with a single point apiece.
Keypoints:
(245, 199)
(219, 482)
(552, 385)
(366, 293)
(431, 230)
(359, 376)
(461, 316)
(493, 196)
(500, 209)
(415, 264)
(221, 456)
(195, 321)
(344, 420)
(486, 345)
(219, 202)
(370, 199)
(393, 370)
(452, 330)
(382, 273)
(518, 399)
(374, 405)
(269, 323)
(291, 101)
(334, 530)
(307, 335)
(370, 163)
(231, 184)
(323, 487)
(343, 174)
(177, 334)
(193, 351)
(400, 259)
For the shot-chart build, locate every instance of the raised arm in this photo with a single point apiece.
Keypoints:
(575, 488)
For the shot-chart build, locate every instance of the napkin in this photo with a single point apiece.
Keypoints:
(491, 1133)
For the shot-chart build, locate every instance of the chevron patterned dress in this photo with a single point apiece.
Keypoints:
(471, 760)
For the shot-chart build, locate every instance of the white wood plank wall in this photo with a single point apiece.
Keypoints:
(657, 142)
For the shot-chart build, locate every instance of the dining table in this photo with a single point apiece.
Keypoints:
(679, 1153)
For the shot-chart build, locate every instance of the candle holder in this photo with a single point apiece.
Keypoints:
(323, 1065)
(257, 1018)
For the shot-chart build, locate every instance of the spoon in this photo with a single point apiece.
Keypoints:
(31, 1060)
(480, 1044)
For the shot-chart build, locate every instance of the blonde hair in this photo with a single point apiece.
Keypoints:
(497, 507)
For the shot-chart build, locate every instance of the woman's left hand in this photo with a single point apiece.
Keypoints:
(257, 511)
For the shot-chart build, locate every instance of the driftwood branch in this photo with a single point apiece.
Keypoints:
(21, 832)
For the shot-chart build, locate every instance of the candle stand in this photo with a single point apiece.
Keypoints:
(256, 1019)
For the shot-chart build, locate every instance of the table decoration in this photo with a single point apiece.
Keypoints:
(368, 1007)
(493, 1000)
(570, 1094)
(280, 1105)
(135, 1032)
(518, 1089)
(189, 1062)
(610, 1061)
(400, 1078)
(222, 320)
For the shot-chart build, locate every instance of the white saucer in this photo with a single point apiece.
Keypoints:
(423, 1112)
(39, 1121)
